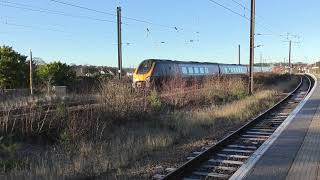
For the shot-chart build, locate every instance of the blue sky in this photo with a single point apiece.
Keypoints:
(87, 41)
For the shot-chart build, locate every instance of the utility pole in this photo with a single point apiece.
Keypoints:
(119, 42)
(31, 74)
(239, 53)
(252, 24)
(290, 56)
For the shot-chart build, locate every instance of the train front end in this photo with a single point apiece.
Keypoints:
(142, 75)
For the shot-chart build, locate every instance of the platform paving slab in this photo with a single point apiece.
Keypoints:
(296, 152)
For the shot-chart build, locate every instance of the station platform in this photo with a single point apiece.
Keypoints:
(295, 154)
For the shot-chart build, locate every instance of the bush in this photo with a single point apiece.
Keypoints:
(8, 151)
(155, 102)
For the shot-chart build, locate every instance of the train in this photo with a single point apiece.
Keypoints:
(152, 72)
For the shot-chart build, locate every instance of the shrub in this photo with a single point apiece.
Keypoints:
(155, 102)
(8, 151)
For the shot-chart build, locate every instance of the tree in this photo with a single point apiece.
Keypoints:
(56, 73)
(14, 71)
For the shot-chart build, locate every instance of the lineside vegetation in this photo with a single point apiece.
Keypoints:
(128, 134)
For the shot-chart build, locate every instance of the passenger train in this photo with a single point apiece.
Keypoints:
(152, 71)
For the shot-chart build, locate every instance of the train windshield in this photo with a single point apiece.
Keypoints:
(144, 67)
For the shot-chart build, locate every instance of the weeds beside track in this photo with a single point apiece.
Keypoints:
(120, 138)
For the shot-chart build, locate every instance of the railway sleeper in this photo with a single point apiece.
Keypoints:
(262, 129)
(277, 121)
(218, 167)
(255, 136)
(244, 154)
(211, 174)
(269, 126)
(293, 102)
(232, 156)
(158, 176)
(274, 119)
(259, 133)
(237, 150)
(279, 113)
(254, 139)
(241, 146)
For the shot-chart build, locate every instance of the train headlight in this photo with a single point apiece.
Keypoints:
(134, 80)
(148, 79)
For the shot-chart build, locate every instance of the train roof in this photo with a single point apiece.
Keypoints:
(178, 62)
(195, 62)
(187, 62)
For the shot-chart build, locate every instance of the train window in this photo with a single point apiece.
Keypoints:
(196, 70)
(206, 70)
(144, 67)
(190, 70)
(226, 70)
(202, 70)
(184, 70)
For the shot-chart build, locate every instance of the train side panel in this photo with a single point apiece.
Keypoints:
(227, 69)
(198, 69)
(154, 72)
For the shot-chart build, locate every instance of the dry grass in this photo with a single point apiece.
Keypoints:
(216, 90)
(200, 121)
(127, 129)
(120, 103)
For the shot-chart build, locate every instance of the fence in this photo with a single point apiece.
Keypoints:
(7, 94)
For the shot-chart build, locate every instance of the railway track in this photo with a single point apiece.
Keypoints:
(223, 159)
(23, 111)
(20, 106)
